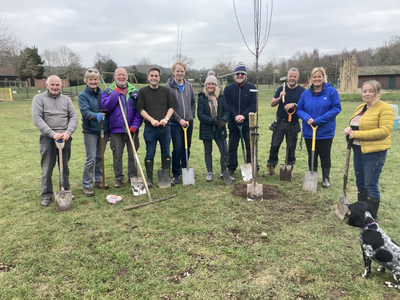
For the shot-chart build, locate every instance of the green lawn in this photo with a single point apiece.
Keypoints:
(202, 244)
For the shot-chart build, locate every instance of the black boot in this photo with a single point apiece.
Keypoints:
(166, 165)
(325, 177)
(362, 196)
(374, 203)
(149, 164)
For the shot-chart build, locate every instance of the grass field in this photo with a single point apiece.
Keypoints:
(202, 244)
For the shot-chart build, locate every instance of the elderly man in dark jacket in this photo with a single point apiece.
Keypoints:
(241, 101)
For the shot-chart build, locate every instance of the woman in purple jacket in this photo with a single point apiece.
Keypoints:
(319, 106)
(122, 90)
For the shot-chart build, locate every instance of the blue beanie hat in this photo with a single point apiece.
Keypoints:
(240, 68)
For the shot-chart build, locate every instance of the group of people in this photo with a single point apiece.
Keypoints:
(167, 111)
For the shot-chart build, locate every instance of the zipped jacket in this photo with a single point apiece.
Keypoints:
(204, 115)
(90, 105)
(241, 101)
(110, 103)
(323, 108)
(185, 102)
(375, 127)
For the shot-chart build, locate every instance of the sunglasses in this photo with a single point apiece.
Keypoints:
(240, 74)
(92, 71)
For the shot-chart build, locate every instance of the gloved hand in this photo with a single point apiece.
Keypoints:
(215, 122)
(221, 124)
(118, 90)
(100, 117)
(132, 129)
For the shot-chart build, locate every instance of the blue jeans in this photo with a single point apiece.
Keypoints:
(153, 134)
(368, 168)
(178, 150)
(92, 167)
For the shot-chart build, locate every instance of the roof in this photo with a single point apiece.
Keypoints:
(379, 70)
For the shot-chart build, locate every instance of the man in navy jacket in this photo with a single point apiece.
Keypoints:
(241, 102)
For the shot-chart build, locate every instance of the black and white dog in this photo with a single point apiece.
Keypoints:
(375, 244)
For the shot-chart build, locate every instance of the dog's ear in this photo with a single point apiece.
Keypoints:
(357, 216)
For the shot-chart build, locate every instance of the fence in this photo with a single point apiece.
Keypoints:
(29, 92)
(13, 83)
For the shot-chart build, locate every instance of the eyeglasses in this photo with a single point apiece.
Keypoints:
(240, 74)
(92, 71)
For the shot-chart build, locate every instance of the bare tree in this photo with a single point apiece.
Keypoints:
(260, 40)
(143, 65)
(188, 61)
(50, 62)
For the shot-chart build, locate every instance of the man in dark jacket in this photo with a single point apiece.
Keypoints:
(241, 101)
(281, 126)
(122, 90)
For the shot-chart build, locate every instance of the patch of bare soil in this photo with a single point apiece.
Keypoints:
(277, 204)
(269, 191)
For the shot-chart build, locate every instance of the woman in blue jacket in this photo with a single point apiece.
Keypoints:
(89, 102)
(319, 106)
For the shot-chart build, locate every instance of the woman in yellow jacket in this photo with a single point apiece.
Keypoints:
(370, 127)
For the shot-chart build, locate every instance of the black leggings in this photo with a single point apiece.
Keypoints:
(323, 150)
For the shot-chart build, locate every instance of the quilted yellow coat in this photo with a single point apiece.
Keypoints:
(375, 127)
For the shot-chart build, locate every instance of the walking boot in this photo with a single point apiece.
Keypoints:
(166, 165)
(362, 196)
(325, 177)
(149, 164)
(270, 171)
(374, 203)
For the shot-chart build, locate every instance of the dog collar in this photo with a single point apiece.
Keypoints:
(369, 224)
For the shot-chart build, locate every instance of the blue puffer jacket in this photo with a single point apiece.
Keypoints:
(90, 105)
(110, 103)
(241, 102)
(323, 108)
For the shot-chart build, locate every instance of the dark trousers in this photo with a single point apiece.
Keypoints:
(178, 149)
(118, 141)
(223, 148)
(323, 150)
(234, 140)
(281, 132)
(49, 153)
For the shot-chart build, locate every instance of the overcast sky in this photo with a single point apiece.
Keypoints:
(131, 30)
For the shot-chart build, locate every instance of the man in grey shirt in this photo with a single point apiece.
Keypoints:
(54, 115)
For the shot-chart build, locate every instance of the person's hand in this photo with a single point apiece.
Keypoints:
(290, 106)
(239, 119)
(57, 136)
(118, 90)
(65, 136)
(154, 123)
(310, 121)
(347, 130)
(281, 95)
(132, 129)
(100, 117)
(215, 122)
(183, 123)
(163, 122)
(221, 124)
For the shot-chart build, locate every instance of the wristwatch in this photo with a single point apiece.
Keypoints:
(166, 118)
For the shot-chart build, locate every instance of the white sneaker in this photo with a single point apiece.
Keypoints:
(209, 177)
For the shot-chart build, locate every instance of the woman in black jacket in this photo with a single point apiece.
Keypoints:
(213, 113)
